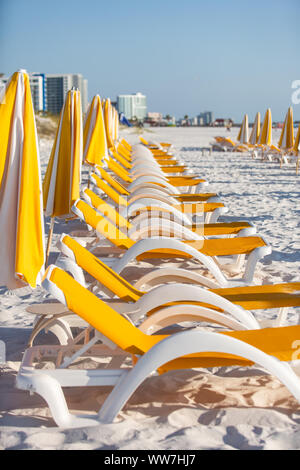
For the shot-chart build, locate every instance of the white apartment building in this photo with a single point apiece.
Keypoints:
(133, 106)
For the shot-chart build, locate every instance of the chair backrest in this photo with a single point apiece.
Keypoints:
(118, 170)
(106, 209)
(102, 225)
(125, 163)
(126, 144)
(97, 313)
(144, 141)
(108, 190)
(112, 181)
(124, 152)
(100, 271)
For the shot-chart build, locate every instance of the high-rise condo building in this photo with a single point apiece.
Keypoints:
(58, 86)
(133, 106)
(206, 118)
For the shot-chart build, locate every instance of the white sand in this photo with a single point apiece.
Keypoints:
(232, 408)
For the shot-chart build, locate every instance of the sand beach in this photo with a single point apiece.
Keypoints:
(219, 408)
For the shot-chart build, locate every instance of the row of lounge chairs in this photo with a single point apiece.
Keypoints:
(259, 144)
(143, 205)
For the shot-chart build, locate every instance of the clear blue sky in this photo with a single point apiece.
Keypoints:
(231, 57)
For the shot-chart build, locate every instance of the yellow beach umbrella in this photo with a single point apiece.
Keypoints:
(22, 249)
(265, 137)
(94, 136)
(254, 136)
(108, 123)
(296, 147)
(116, 125)
(243, 134)
(61, 186)
(113, 124)
(287, 140)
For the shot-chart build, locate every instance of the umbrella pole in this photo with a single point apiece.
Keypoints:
(89, 177)
(49, 240)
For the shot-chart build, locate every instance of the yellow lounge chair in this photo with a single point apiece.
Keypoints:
(204, 251)
(165, 304)
(271, 348)
(176, 181)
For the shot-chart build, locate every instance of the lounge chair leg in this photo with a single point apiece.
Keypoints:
(253, 258)
(282, 315)
(49, 389)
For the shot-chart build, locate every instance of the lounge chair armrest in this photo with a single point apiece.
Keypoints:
(165, 294)
(157, 226)
(142, 246)
(163, 275)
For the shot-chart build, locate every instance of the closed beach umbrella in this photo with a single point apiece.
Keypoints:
(116, 125)
(254, 136)
(61, 186)
(113, 124)
(265, 137)
(94, 137)
(108, 119)
(243, 134)
(287, 140)
(22, 248)
(296, 147)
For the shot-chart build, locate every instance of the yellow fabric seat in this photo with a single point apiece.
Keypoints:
(221, 228)
(107, 210)
(262, 297)
(122, 160)
(173, 169)
(211, 247)
(193, 197)
(112, 181)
